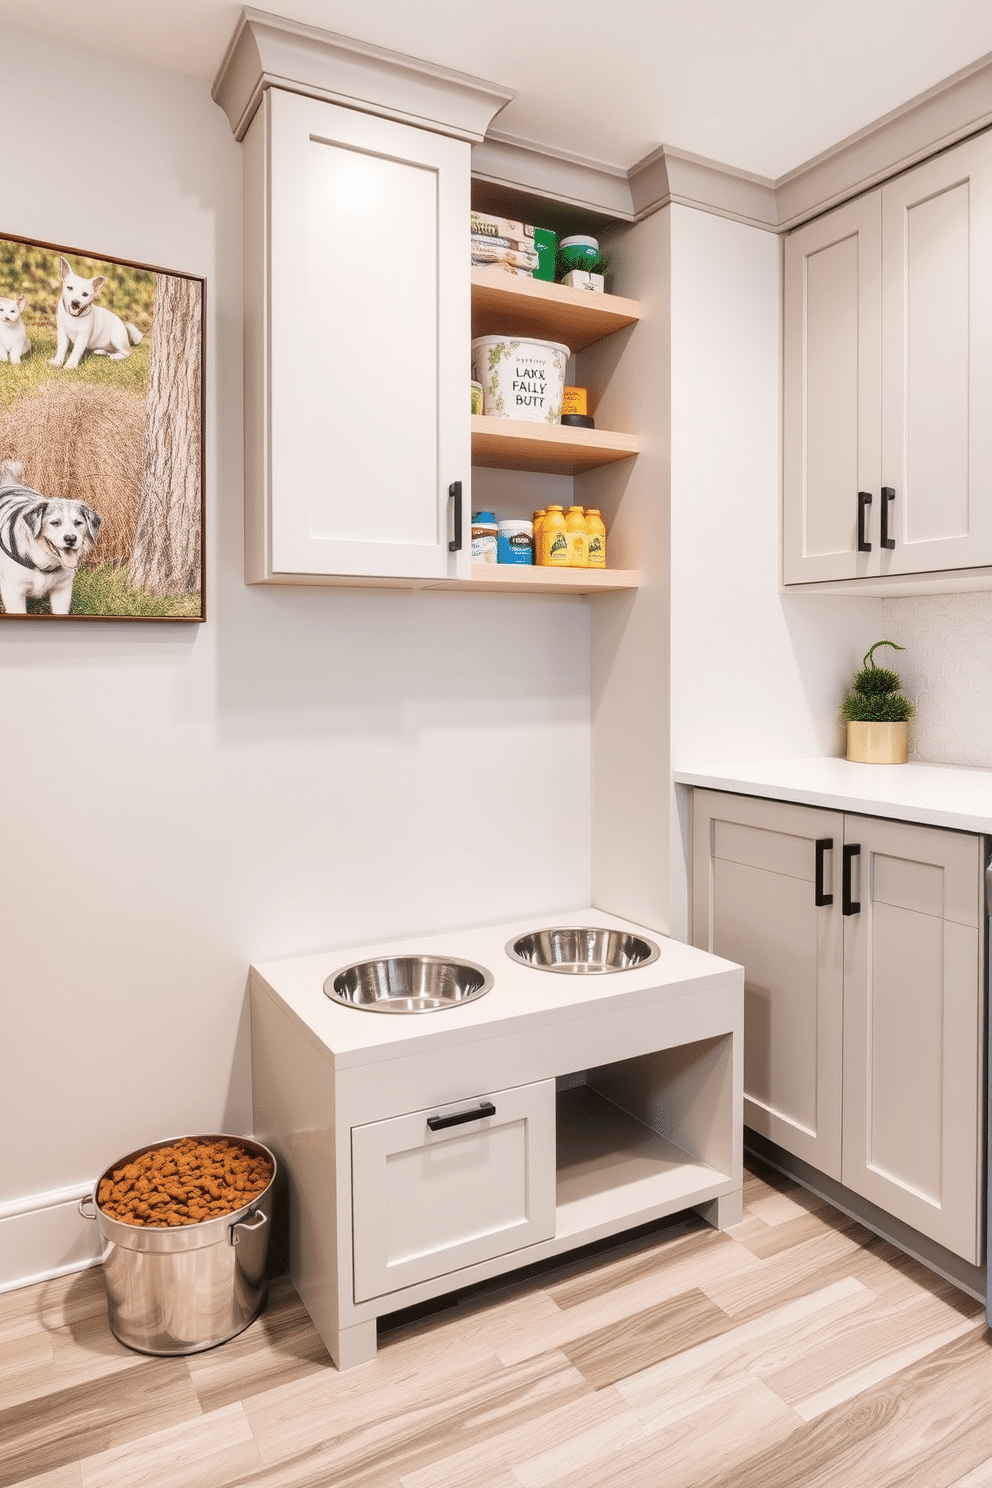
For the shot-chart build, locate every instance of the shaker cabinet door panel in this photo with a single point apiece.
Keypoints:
(832, 324)
(754, 902)
(912, 1030)
(359, 343)
(429, 1198)
(888, 378)
(937, 361)
(863, 1032)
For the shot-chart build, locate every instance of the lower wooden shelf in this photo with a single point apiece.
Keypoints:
(519, 578)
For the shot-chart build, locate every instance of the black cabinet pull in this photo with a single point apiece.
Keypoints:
(888, 494)
(850, 906)
(455, 491)
(438, 1123)
(823, 846)
(864, 501)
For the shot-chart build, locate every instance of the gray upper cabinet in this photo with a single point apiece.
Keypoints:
(888, 378)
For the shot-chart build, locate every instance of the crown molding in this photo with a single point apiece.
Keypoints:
(269, 51)
(524, 165)
(664, 176)
(952, 111)
(959, 106)
(669, 175)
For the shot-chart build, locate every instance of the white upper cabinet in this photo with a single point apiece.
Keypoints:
(357, 328)
(888, 378)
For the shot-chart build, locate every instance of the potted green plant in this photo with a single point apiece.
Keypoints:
(877, 713)
(590, 275)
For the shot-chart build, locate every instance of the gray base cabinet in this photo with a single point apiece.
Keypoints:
(861, 941)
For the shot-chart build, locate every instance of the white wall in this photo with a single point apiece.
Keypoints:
(630, 630)
(755, 673)
(309, 768)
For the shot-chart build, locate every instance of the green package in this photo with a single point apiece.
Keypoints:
(546, 244)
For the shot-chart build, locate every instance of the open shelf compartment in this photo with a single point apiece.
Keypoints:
(645, 1137)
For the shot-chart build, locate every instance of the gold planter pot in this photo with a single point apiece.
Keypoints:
(878, 743)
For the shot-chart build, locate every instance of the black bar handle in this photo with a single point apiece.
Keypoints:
(823, 846)
(888, 494)
(864, 501)
(438, 1123)
(455, 490)
(851, 906)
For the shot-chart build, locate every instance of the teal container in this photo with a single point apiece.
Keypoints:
(579, 252)
(515, 542)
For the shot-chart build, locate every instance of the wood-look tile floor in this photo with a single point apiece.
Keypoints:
(794, 1349)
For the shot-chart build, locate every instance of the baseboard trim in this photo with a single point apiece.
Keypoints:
(960, 1273)
(44, 1235)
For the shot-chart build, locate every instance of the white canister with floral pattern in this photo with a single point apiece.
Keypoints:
(520, 379)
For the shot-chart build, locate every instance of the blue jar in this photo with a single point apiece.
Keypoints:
(514, 542)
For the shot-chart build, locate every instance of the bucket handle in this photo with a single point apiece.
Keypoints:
(249, 1229)
(87, 1199)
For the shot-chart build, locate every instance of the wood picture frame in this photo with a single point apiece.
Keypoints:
(101, 437)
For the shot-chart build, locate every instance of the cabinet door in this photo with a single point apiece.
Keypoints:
(832, 392)
(357, 329)
(913, 1029)
(754, 883)
(937, 361)
(427, 1201)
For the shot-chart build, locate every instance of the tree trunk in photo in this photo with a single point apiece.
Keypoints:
(166, 556)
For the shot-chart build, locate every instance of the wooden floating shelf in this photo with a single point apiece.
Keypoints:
(511, 444)
(492, 578)
(519, 578)
(508, 305)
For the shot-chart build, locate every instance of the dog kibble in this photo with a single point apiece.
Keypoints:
(184, 1183)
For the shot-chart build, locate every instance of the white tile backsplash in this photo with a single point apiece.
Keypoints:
(947, 671)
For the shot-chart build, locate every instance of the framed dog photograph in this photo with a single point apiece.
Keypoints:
(101, 437)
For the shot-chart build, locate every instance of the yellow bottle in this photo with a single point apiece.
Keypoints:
(596, 534)
(538, 524)
(554, 539)
(578, 541)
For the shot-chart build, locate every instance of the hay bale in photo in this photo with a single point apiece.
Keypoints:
(83, 442)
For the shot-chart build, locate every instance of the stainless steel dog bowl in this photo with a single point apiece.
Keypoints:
(408, 984)
(582, 950)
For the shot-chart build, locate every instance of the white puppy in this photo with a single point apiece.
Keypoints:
(88, 327)
(41, 543)
(14, 341)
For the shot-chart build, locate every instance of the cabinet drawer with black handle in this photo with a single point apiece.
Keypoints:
(442, 1188)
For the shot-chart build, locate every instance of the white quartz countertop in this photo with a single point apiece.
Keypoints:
(938, 795)
(520, 994)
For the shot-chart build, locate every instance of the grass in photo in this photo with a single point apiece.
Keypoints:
(100, 494)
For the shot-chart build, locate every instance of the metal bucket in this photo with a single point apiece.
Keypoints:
(184, 1289)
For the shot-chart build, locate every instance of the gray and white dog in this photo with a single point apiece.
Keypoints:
(41, 543)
